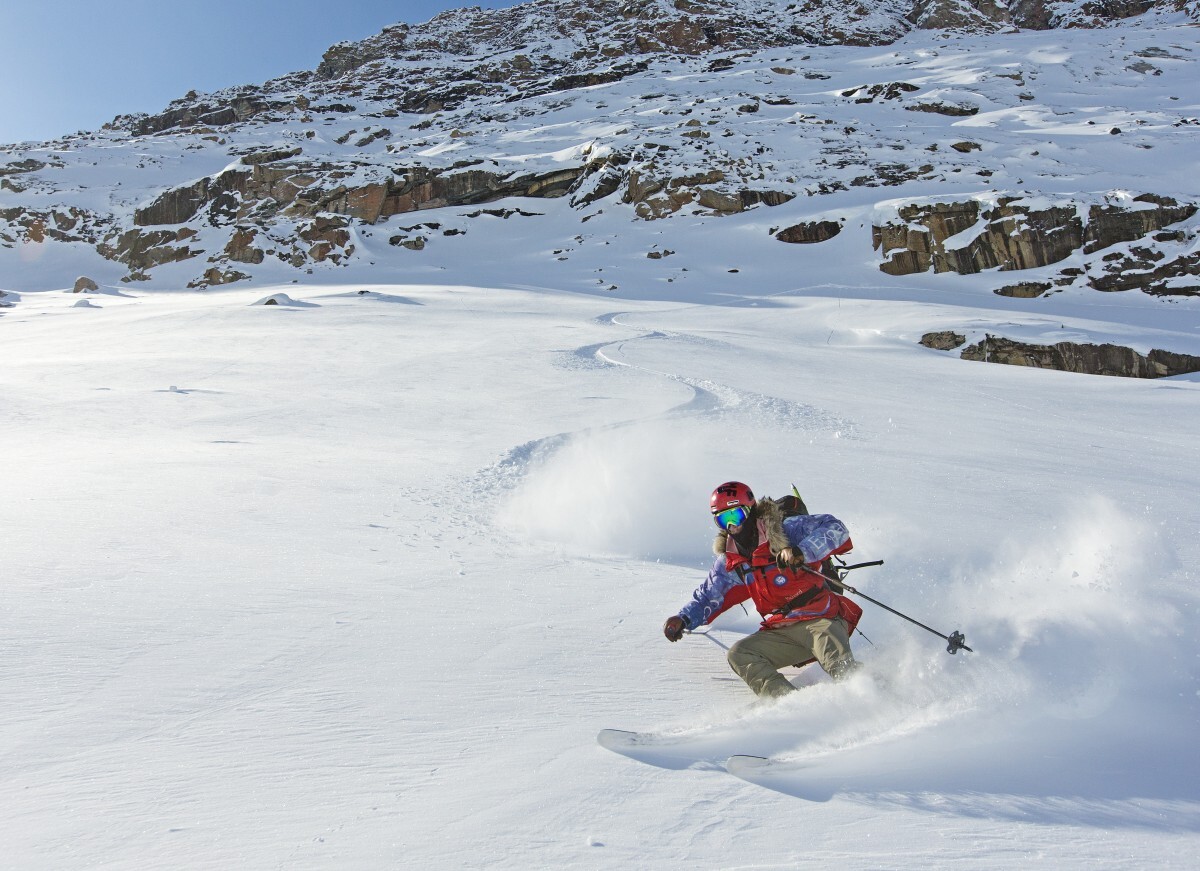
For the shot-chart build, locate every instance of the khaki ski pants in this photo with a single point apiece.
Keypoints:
(757, 658)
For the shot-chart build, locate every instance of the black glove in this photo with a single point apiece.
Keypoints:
(674, 627)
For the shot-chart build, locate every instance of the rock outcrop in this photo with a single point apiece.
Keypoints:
(1047, 14)
(297, 189)
(1010, 235)
(67, 224)
(142, 250)
(1090, 359)
(1017, 233)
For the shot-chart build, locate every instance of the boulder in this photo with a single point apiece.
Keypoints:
(945, 340)
(1024, 289)
(721, 202)
(215, 276)
(809, 233)
(83, 283)
(885, 91)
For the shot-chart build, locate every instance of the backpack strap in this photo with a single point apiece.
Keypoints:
(800, 601)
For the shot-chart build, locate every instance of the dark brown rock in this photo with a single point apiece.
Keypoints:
(1024, 289)
(1176, 276)
(1089, 359)
(945, 340)
(306, 190)
(180, 205)
(1016, 236)
(975, 16)
(809, 233)
(954, 110)
(17, 167)
(1111, 224)
(215, 276)
(886, 91)
(241, 249)
(255, 158)
(142, 250)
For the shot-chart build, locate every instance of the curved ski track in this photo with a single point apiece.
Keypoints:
(710, 399)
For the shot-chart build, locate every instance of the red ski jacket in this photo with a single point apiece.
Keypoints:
(782, 596)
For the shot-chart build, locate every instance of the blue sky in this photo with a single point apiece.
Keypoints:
(71, 65)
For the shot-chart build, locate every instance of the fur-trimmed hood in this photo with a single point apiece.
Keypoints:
(766, 511)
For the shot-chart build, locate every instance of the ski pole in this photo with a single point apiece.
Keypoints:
(713, 640)
(956, 639)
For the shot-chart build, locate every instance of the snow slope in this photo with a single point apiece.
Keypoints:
(354, 582)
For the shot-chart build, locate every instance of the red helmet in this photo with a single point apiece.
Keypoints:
(731, 494)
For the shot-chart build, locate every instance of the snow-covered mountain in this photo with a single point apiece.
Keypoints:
(1052, 140)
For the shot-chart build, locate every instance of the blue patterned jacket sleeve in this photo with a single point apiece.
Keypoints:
(709, 598)
(816, 535)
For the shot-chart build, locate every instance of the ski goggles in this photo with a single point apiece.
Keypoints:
(731, 516)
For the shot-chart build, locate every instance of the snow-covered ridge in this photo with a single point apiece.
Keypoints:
(549, 45)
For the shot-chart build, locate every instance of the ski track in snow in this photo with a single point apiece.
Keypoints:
(715, 402)
(731, 405)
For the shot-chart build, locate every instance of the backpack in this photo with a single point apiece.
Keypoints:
(792, 505)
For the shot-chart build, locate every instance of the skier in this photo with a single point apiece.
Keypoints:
(776, 561)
